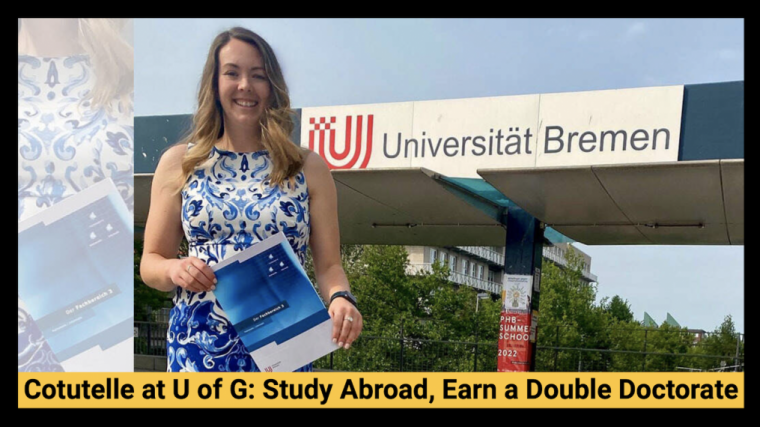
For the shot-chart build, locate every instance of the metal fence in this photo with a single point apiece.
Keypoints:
(377, 354)
(637, 350)
(150, 338)
(566, 353)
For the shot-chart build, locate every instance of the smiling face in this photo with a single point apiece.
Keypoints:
(243, 84)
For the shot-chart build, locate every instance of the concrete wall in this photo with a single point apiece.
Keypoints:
(586, 257)
(416, 254)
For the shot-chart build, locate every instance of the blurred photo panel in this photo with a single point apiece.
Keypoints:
(75, 195)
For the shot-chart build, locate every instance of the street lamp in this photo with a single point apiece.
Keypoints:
(480, 296)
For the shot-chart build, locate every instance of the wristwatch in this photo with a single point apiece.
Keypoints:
(344, 294)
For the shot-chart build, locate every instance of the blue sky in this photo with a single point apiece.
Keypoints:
(362, 61)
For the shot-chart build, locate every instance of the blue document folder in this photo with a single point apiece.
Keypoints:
(273, 306)
(76, 279)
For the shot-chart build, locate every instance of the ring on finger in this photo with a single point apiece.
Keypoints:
(188, 268)
(349, 318)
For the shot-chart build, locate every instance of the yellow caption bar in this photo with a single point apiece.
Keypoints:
(381, 390)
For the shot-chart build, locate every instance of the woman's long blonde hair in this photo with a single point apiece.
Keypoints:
(276, 122)
(111, 56)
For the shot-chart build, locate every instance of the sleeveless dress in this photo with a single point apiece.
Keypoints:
(227, 206)
(64, 146)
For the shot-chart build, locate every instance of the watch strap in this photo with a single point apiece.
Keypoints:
(344, 294)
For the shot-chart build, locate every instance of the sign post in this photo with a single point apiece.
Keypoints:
(520, 292)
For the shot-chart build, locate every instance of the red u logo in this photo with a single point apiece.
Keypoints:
(327, 132)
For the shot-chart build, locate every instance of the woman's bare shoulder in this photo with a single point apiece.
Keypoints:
(170, 164)
(316, 171)
(314, 163)
(173, 155)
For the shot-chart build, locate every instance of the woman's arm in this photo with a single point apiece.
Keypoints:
(160, 268)
(325, 249)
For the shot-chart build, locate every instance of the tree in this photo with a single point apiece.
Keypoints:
(426, 311)
(569, 318)
(666, 339)
(435, 323)
(724, 341)
(618, 308)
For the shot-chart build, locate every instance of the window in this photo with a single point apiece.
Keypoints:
(433, 255)
(465, 265)
(491, 276)
(443, 257)
(480, 272)
(453, 262)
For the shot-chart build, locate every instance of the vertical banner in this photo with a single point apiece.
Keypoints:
(514, 329)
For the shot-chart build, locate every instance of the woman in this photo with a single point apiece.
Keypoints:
(236, 180)
(75, 128)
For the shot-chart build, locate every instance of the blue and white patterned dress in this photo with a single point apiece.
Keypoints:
(64, 146)
(227, 206)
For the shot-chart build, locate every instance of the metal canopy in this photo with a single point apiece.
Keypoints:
(674, 203)
(395, 207)
(412, 206)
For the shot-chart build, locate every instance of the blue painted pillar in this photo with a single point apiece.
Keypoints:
(522, 256)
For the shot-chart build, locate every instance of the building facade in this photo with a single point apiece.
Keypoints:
(482, 267)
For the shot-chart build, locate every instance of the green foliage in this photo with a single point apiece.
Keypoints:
(724, 341)
(424, 307)
(618, 309)
(440, 317)
(145, 296)
(667, 339)
(569, 318)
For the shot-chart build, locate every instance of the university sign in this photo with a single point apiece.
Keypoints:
(323, 131)
(457, 137)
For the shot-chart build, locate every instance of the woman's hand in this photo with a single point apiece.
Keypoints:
(347, 322)
(192, 274)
